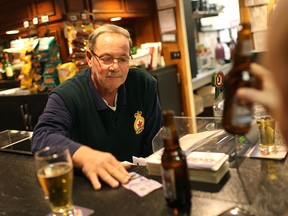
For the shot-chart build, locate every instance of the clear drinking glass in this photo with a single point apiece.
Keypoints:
(55, 174)
(266, 128)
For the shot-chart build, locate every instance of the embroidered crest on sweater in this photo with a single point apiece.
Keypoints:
(139, 122)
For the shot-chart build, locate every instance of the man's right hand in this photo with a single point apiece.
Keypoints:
(98, 165)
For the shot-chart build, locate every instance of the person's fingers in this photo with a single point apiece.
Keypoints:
(92, 176)
(107, 168)
(252, 95)
(118, 172)
(122, 168)
(121, 174)
(108, 178)
(259, 70)
(126, 165)
(94, 180)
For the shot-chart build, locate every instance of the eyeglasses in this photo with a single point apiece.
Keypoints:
(108, 60)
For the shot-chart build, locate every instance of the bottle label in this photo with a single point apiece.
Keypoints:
(246, 48)
(169, 187)
(242, 114)
(9, 71)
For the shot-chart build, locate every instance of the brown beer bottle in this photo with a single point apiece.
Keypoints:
(175, 175)
(237, 115)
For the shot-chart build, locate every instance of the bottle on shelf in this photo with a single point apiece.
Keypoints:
(8, 68)
(227, 53)
(203, 5)
(175, 175)
(219, 52)
(232, 45)
(2, 70)
(237, 114)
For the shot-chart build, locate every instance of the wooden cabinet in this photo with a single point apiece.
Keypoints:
(76, 6)
(14, 13)
(52, 8)
(104, 9)
(107, 6)
(140, 6)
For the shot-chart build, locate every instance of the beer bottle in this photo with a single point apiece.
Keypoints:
(175, 175)
(237, 115)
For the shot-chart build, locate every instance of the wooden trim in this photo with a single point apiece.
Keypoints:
(184, 64)
(244, 12)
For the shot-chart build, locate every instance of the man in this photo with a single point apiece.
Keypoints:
(274, 78)
(105, 114)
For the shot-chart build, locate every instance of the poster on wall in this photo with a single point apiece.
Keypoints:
(167, 20)
(163, 4)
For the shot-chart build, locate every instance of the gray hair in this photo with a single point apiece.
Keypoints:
(110, 29)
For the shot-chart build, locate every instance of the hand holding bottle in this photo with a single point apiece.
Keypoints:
(237, 115)
(268, 95)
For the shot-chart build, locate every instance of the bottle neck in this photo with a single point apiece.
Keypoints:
(169, 132)
(243, 47)
(7, 59)
(170, 138)
(243, 52)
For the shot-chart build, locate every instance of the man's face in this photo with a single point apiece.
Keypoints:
(109, 62)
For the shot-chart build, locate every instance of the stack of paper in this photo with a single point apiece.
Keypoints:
(207, 167)
(203, 166)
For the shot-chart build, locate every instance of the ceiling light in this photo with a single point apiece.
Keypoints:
(113, 19)
(12, 32)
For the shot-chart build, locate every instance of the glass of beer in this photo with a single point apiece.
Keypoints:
(55, 174)
(266, 128)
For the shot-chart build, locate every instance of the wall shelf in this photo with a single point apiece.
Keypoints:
(204, 14)
(204, 78)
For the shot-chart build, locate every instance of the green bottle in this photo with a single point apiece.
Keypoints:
(7, 67)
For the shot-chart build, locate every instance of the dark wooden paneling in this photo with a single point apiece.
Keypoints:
(138, 6)
(75, 6)
(45, 7)
(108, 6)
(14, 12)
(49, 7)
